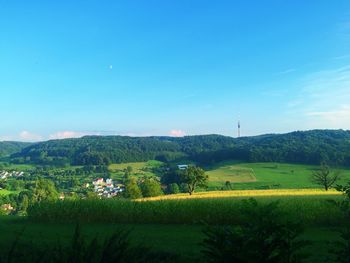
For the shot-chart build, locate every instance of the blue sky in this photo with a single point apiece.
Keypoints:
(71, 68)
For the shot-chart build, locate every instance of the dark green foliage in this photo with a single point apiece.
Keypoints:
(171, 175)
(132, 189)
(117, 249)
(151, 187)
(265, 236)
(96, 150)
(173, 188)
(311, 147)
(313, 211)
(44, 190)
(341, 249)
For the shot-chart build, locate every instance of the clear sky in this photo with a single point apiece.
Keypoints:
(70, 68)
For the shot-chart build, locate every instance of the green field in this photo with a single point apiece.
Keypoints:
(17, 167)
(232, 173)
(265, 175)
(138, 169)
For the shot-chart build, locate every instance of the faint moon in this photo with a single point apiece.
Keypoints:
(110, 66)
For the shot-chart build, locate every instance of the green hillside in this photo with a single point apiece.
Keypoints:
(7, 148)
(309, 147)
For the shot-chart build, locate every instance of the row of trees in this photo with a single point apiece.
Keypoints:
(183, 181)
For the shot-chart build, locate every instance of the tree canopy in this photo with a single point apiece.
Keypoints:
(310, 147)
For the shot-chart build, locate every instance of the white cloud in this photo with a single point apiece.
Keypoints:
(177, 133)
(30, 137)
(6, 138)
(70, 134)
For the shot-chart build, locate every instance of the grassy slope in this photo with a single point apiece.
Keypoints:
(269, 175)
(138, 169)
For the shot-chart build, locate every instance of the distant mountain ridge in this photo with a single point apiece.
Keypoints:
(309, 147)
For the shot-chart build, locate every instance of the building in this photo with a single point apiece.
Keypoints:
(182, 166)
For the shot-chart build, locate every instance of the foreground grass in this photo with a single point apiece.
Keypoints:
(311, 210)
(181, 240)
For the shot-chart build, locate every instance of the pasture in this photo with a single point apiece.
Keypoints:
(265, 175)
(138, 169)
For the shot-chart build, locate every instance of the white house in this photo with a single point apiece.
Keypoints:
(182, 166)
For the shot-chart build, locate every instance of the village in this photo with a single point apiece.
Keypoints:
(6, 174)
(106, 188)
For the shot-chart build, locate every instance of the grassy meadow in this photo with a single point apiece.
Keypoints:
(139, 169)
(265, 175)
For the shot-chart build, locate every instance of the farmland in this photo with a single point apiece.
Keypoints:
(173, 224)
(139, 169)
(265, 175)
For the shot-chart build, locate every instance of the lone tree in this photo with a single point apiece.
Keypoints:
(325, 177)
(194, 176)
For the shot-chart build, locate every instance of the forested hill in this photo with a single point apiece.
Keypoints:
(7, 148)
(310, 147)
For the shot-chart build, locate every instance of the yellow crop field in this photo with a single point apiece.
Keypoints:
(246, 193)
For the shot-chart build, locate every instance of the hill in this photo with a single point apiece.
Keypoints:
(305, 147)
(7, 148)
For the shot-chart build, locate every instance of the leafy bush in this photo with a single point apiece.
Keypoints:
(265, 236)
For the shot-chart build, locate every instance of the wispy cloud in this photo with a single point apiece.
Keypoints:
(290, 70)
(30, 137)
(342, 57)
(338, 117)
(324, 100)
(70, 134)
